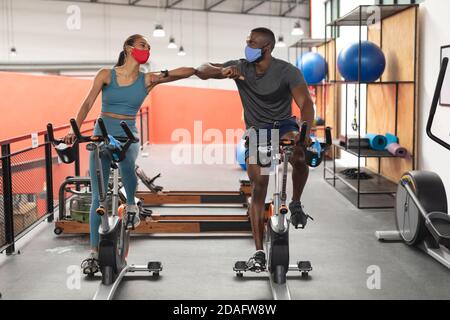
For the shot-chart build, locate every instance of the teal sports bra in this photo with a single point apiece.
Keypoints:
(124, 100)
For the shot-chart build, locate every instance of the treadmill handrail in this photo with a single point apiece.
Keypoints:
(437, 95)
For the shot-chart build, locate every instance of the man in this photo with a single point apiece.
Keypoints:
(266, 86)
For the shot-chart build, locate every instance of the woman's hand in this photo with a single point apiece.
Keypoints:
(69, 138)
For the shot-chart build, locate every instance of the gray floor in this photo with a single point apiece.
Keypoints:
(340, 243)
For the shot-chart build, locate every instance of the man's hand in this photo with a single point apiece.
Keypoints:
(232, 72)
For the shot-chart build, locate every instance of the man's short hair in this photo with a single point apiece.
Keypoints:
(268, 34)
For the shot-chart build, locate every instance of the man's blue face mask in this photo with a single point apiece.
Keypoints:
(252, 54)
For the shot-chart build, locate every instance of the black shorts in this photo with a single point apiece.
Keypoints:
(286, 126)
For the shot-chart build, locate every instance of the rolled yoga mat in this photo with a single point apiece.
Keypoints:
(377, 142)
(391, 139)
(397, 150)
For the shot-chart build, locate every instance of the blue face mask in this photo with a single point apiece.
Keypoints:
(252, 54)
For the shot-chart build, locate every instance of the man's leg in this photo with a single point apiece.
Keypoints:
(300, 173)
(259, 185)
(300, 170)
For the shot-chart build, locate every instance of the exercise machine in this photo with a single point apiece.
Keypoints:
(199, 223)
(276, 234)
(421, 212)
(114, 229)
(75, 193)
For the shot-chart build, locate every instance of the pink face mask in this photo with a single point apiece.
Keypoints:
(140, 55)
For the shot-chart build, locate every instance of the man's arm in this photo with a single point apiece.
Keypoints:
(305, 103)
(210, 71)
(227, 70)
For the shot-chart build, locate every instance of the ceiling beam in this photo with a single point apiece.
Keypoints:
(171, 6)
(254, 6)
(209, 7)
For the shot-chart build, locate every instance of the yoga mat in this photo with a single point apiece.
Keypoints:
(397, 150)
(377, 142)
(391, 139)
(353, 142)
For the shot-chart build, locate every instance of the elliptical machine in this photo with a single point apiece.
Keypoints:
(114, 230)
(421, 213)
(276, 233)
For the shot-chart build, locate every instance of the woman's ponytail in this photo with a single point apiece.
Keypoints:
(121, 60)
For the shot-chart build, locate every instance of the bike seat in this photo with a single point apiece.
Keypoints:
(438, 223)
(287, 142)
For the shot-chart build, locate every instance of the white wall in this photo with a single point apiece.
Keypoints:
(434, 33)
(41, 34)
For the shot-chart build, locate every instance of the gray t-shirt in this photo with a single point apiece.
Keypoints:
(267, 97)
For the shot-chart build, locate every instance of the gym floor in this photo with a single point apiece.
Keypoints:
(340, 243)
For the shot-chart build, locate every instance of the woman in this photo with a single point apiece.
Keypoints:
(124, 89)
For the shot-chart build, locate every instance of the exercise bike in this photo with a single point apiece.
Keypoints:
(114, 230)
(276, 233)
(421, 213)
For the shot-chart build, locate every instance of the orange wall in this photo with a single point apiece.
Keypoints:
(179, 107)
(30, 102)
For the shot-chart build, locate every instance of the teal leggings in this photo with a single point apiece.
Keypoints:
(126, 171)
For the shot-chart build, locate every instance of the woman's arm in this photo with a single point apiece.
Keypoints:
(155, 78)
(99, 80)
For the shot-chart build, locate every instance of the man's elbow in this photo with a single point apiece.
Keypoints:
(202, 71)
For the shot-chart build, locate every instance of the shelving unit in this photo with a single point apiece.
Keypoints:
(390, 103)
(300, 47)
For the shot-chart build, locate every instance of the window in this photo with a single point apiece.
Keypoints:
(332, 12)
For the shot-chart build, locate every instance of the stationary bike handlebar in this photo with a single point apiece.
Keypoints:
(437, 94)
(314, 158)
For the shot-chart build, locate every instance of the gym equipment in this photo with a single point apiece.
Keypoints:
(354, 173)
(276, 234)
(373, 62)
(114, 230)
(397, 150)
(391, 139)
(240, 154)
(177, 222)
(377, 142)
(313, 66)
(421, 204)
(354, 143)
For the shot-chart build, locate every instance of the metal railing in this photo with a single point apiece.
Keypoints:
(31, 178)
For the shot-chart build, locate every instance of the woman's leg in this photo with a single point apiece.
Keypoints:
(94, 218)
(128, 174)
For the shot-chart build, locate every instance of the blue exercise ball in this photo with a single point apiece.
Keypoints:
(240, 154)
(373, 62)
(313, 66)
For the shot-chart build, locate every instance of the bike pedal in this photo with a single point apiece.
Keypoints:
(304, 266)
(240, 266)
(154, 266)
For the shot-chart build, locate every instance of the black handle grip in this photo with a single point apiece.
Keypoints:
(101, 124)
(328, 138)
(75, 129)
(303, 132)
(50, 134)
(128, 132)
(436, 97)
